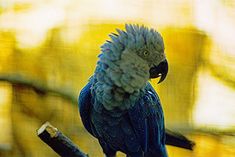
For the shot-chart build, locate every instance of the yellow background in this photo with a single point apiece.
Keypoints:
(54, 44)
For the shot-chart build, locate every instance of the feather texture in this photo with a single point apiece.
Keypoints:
(122, 109)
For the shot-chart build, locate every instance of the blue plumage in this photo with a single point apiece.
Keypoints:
(140, 129)
(118, 106)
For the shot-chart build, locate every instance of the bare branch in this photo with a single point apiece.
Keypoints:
(39, 86)
(61, 144)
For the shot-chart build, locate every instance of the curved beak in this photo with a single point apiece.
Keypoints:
(160, 70)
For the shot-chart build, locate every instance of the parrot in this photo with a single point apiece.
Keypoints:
(119, 106)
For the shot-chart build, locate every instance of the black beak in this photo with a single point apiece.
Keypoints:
(160, 70)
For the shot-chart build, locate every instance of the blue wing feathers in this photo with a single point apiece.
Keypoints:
(147, 120)
(84, 104)
(141, 128)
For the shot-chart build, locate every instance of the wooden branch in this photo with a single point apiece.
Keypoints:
(61, 144)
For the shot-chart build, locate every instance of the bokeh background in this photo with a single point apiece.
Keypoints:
(49, 49)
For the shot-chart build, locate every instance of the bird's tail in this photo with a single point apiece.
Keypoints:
(178, 140)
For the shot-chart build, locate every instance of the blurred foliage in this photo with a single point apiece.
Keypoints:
(64, 67)
(178, 92)
(60, 64)
(51, 73)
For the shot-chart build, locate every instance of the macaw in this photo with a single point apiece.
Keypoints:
(118, 106)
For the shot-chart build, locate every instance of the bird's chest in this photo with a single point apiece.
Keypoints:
(107, 123)
(115, 131)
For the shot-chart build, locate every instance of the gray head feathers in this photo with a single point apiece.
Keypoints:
(134, 38)
(122, 71)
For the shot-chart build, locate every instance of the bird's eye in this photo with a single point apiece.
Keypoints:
(145, 53)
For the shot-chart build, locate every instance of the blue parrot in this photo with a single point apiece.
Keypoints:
(118, 106)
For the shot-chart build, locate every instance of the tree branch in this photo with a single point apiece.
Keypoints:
(61, 144)
(39, 86)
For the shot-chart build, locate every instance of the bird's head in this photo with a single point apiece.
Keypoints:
(140, 46)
